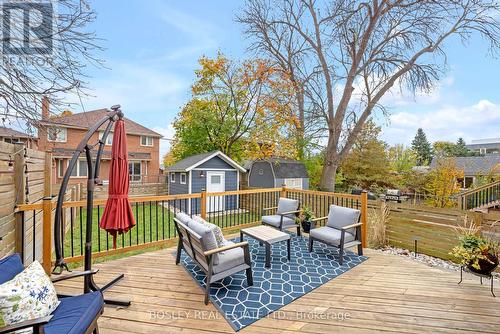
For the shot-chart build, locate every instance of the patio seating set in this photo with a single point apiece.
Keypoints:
(219, 258)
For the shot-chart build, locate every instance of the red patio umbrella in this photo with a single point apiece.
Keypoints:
(118, 217)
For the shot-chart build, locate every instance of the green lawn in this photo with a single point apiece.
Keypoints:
(153, 222)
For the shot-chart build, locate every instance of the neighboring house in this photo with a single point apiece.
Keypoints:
(12, 136)
(473, 167)
(213, 172)
(277, 172)
(485, 146)
(61, 135)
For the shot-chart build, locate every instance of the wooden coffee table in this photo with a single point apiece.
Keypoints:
(268, 236)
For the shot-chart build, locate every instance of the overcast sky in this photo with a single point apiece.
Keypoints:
(153, 48)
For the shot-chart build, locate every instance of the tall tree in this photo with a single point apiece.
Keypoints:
(402, 159)
(367, 164)
(70, 47)
(422, 148)
(442, 183)
(350, 54)
(461, 149)
(235, 108)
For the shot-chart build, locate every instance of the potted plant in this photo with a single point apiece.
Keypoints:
(305, 218)
(476, 252)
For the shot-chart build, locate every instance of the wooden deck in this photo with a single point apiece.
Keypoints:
(386, 293)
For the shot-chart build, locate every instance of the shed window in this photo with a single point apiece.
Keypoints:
(172, 177)
(293, 183)
(183, 178)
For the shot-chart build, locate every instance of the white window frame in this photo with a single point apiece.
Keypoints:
(61, 167)
(131, 176)
(172, 177)
(109, 139)
(185, 177)
(293, 183)
(77, 167)
(147, 141)
(61, 131)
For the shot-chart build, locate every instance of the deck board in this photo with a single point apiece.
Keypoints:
(386, 293)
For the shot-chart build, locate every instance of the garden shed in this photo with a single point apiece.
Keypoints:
(213, 172)
(276, 172)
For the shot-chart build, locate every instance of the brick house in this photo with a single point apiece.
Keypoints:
(61, 135)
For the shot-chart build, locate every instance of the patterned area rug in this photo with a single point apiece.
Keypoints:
(277, 286)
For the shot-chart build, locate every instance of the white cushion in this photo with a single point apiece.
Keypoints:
(274, 220)
(219, 237)
(330, 235)
(29, 295)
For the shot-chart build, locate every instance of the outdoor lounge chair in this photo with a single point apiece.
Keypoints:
(74, 315)
(284, 218)
(342, 230)
(198, 241)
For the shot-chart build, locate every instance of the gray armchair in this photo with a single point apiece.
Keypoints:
(199, 243)
(342, 230)
(285, 214)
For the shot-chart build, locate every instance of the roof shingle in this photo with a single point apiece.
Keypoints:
(88, 119)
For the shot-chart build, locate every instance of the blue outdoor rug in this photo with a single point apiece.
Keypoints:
(276, 286)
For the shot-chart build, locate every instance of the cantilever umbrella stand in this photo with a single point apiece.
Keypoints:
(92, 181)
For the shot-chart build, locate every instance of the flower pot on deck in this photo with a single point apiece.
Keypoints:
(306, 226)
(486, 267)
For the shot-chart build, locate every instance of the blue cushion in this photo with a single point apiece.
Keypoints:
(75, 314)
(10, 266)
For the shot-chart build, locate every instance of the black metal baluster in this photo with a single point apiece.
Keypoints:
(144, 222)
(71, 212)
(150, 222)
(98, 229)
(137, 222)
(81, 232)
(156, 203)
(168, 220)
(163, 219)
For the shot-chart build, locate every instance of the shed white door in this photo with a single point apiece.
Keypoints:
(215, 184)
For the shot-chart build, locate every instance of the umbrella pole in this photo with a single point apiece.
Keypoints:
(89, 284)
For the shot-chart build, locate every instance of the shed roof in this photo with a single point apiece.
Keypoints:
(287, 168)
(193, 161)
(475, 165)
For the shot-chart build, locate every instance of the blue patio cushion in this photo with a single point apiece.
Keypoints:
(75, 314)
(287, 205)
(274, 220)
(10, 266)
(340, 216)
(229, 259)
(330, 235)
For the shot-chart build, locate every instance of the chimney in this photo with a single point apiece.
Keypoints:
(45, 108)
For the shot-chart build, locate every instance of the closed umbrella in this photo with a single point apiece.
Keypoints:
(118, 217)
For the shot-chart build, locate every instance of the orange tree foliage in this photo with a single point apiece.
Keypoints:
(240, 108)
(442, 183)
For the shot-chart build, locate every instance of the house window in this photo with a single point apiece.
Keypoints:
(109, 138)
(293, 183)
(134, 169)
(58, 135)
(183, 178)
(80, 169)
(172, 177)
(146, 141)
(12, 140)
(61, 167)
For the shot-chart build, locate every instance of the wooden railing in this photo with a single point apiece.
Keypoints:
(480, 197)
(154, 217)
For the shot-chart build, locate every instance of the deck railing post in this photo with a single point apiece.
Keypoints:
(283, 191)
(47, 215)
(203, 204)
(364, 217)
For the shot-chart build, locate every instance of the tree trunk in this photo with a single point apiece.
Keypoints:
(327, 182)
